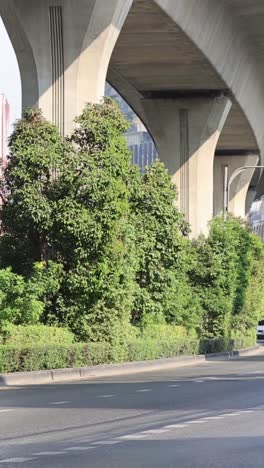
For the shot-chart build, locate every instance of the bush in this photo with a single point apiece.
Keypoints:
(216, 345)
(245, 341)
(165, 332)
(102, 247)
(145, 349)
(163, 290)
(20, 335)
(30, 358)
(19, 302)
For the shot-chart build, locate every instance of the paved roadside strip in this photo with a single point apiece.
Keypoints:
(173, 431)
(109, 370)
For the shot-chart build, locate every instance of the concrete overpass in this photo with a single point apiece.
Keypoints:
(191, 69)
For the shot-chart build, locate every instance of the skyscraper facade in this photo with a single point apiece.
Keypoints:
(4, 129)
(139, 140)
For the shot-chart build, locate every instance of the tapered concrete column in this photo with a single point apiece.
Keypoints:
(186, 132)
(63, 49)
(238, 188)
(250, 197)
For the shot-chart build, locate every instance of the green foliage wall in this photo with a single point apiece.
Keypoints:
(37, 152)
(227, 278)
(90, 244)
(164, 255)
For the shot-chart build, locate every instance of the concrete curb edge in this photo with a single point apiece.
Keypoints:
(108, 370)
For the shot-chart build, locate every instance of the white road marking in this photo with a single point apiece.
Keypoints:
(105, 396)
(59, 402)
(213, 378)
(79, 448)
(198, 381)
(144, 390)
(199, 421)
(213, 417)
(49, 453)
(107, 442)
(175, 426)
(16, 460)
(174, 385)
(155, 431)
(133, 436)
(5, 410)
(232, 414)
(247, 411)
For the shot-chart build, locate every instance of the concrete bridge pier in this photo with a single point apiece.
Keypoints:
(240, 185)
(251, 195)
(186, 130)
(63, 50)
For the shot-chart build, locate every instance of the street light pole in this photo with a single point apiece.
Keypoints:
(227, 183)
(225, 192)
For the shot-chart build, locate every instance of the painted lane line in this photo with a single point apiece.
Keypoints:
(174, 385)
(16, 460)
(105, 396)
(212, 378)
(49, 453)
(5, 410)
(232, 414)
(198, 381)
(247, 411)
(213, 417)
(59, 402)
(132, 436)
(144, 390)
(79, 448)
(107, 442)
(196, 422)
(175, 426)
(85, 441)
(155, 431)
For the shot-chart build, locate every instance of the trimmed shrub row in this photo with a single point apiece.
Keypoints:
(14, 359)
(30, 335)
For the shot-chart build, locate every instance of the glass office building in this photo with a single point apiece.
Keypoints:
(139, 140)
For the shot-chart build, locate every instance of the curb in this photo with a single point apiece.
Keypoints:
(109, 370)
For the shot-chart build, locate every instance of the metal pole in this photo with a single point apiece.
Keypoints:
(225, 192)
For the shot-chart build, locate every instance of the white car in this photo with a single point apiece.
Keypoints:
(260, 330)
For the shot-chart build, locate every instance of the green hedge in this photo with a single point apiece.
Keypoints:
(30, 335)
(216, 345)
(13, 358)
(143, 349)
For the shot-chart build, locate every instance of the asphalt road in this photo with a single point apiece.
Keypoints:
(209, 415)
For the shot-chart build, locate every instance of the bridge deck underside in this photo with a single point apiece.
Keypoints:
(154, 56)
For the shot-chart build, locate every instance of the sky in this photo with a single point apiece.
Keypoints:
(10, 84)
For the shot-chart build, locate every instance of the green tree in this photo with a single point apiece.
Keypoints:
(36, 154)
(249, 303)
(228, 264)
(67, 208)
(92, 232)
(215, 276)
(19, 300)
(164, 254)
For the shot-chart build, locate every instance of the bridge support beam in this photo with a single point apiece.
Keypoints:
(63, 48)
(186, 131)
(251, 195)
(239, 187)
